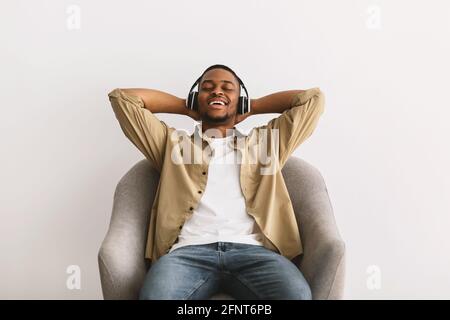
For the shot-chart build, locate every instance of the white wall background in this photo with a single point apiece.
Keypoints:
(382, 143)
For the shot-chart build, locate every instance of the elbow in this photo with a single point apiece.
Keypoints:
(114, 93)
(321, 102)
(318, 100)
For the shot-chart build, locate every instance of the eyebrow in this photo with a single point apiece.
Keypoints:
(226, 81)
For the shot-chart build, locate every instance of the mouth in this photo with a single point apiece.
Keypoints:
(217, 103)
(216, 107)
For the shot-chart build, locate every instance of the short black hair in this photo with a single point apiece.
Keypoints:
(221, 66)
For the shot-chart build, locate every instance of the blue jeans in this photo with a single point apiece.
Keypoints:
(244, 271)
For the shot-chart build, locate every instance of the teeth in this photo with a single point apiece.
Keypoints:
(217, 102)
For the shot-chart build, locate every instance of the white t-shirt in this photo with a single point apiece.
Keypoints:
(221, 214)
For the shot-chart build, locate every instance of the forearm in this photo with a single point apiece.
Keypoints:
(274, 103)
(158, 101)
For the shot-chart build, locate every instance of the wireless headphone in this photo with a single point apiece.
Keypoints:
(243, 103)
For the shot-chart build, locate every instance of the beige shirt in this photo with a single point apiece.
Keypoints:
(182, 161)
(221, 215)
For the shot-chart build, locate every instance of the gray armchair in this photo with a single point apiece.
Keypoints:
(121, 256)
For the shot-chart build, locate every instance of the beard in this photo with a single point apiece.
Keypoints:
(220, 119)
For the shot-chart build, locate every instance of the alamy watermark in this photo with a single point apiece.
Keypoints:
(373, 281)
(264, 151)
(73, 281)
(73, 21)
(373, 21)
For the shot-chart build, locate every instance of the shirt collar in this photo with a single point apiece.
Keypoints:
(199, 133)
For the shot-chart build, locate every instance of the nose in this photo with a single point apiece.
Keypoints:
(217, 92)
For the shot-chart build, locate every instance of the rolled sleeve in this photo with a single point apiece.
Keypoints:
(296, 124)
(140, 126)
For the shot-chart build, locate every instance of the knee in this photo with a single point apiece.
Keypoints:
(143, 295)
(305, 293)
(298, 289)
(299, 293)
(304, 290)
(146, 294)
(155, 288)
(159, 294)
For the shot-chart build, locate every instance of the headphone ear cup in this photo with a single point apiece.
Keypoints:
(242, 105)
(195, 94)
(239, 106)
(192, 101)
(246, 105)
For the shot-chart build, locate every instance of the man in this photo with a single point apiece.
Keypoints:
(218, 224)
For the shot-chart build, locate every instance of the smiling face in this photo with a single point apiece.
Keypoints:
(218, 96)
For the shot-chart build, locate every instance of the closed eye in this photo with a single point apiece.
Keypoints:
(228, 89)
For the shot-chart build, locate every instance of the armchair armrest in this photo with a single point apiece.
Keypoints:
(121, 255)
(323, 259)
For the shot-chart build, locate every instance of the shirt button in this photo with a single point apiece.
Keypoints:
(191, 208)
(203, 172)
(199, 191)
